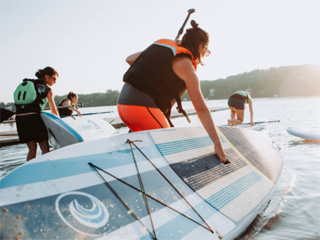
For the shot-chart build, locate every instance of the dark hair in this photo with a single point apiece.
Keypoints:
(194, 37)
(47, 70)
(71, 94)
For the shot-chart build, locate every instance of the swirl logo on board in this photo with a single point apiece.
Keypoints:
(82, 212)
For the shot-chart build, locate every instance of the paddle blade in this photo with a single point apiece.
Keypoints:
(5, 114)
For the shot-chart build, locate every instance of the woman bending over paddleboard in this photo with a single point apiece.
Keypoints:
(30, 98)
(158, 77)
(236, 104)
(72, 99)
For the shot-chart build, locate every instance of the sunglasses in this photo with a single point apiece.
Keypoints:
(207, 53)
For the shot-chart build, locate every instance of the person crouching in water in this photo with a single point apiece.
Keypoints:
(236, 104)
(158, 77)
(72, 99)
(30, 99)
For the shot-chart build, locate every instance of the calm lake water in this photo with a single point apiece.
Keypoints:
(294, 210)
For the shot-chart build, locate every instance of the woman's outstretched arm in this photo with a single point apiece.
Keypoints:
(184, 69)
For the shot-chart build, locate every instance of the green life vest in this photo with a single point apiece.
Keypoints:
(243, 94)
(26, 94)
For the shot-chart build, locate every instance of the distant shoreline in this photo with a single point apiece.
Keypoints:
(287, 81)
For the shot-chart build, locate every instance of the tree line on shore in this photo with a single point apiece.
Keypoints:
(288, 81)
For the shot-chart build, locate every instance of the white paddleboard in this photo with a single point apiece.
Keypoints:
(73, 129)
(164, 184)
(307, 134)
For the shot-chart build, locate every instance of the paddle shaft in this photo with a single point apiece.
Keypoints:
(59, 107)
(86, 114)
(271, 121)
(83, 114)
(67, 106)
(194, 112)
(190, 11)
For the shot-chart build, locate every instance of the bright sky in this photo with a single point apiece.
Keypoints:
(87, 41)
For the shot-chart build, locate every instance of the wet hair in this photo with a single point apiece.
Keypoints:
(194, 37)
(71, 95)
(47, 70)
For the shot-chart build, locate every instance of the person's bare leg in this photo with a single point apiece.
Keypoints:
(44, 146)
(239, 120)
(32, 146)
(232, 115)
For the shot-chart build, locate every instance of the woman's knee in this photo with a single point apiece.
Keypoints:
(240, 119)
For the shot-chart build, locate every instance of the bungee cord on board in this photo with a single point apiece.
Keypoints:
(146, 195)
(170, 183)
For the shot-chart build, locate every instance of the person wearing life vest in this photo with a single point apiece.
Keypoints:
(72, 99)
(236, 103)
(158, 77)
(30, 98)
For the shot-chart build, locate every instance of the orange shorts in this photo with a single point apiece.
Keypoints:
(139, 118)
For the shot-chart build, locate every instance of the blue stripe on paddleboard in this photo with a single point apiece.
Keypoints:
(65, 125)
(68, 167)
(223, 197)
(185, 145)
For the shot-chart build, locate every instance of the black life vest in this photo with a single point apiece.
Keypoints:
(152, 73)
(64, 111)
